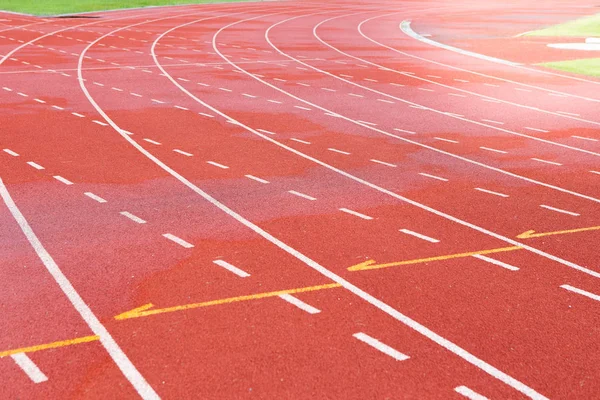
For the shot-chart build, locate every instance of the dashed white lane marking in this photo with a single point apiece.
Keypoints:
(302, 108)
(492, 192)
(254, 178)
(248, 95)
(461, 80)
(182, 108)
(135, 94)
(585, 138)
(346, 76)
(63, 180)
(231, 268)
(386, 101)
(445, 140)
(366, 122)
(559, 210)
(469, 394)
(22, 94)
(338, 151)
(78, 115)
(7, 89)
(384, 348)
(327, 89)
(456, 95)
(216, 164)
(356, 214)
(396, 84)
(99, 84)
(536, 129)
(178, 240)
(202, 84)
(356, 95)
(383, 163)
(206, 115)
(185, 153)
(419, 235)
(569, 113)
(29, 367)
(300, 141)
(303, 84)
(496, 262)
(132, 217)
(100, 122)
(117, 89)
(12, 153)
(39, 101)
(35, 165)
(493, 150)
(371, 80)
(581, 292)
(158, 101)
(546, 161)
(266, 131)
(491, 121)
(595, 172)
(274, 101)
(434, 76)
(304, 196)
(299, 303)
(433, 177)
(405, 131)
(426, 90)
(279, 80)
(94, 197)
(183, 79)
(152, 141)
(225, 89)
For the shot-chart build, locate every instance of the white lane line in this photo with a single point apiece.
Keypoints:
(338, 151)
(396, 84)
(491, 121)
(356, 95)
(581, 292)
(496, 262)
(94, 197)
(559, 210)
(434, 76)
(366, 122)
(493, 150)
(185, 153)
(274, 101)
(232, 268)
(302, 108)
(492, 192)
(99, 84)
(585, 138)
(300, 141)
(266, 131)
(347, 76)
(405, 131)
(152, 141)
(22, 94)
(12, 153)
(595, 172)
(445, 140)
(202, 84)
(536, 129)
(158, 101)
(491, 101)
(384, 348)
(279, 80)
(371, 80)
(39, 101)
(178, 240)
(299, 303)
(135, 94)
(29, 367)
(183, 79)
(356, 214)
(303, 84)
(419, 235)
(426, 90)
(78, 115)
(182, 108)
(248, 95)
(216, 164)
(206, 115)
(469, 394)
(383, 163)
(100, 122)
(304, 196)
(254, 178)
(35, 165)
(117, 89)
(327, 89)
(546, 162)
(132, 217)
(386, 101)
(456, 95)
(225, 89)
(569, 113)
(433, 177)
(63, 180)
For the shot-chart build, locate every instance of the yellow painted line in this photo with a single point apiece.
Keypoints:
(147, 309)
(371, 264)
(532, 234)
(53, 345)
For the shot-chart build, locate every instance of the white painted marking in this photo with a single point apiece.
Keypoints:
(491, 101)
(7, 89)
(568, 113)
(78, 115)
(404, 130)
(135, 94)
(178, 240)
(94, 197)
(396, 84)
(12, 153)
(132, 217)
(40, 101)
(356, 214)
(366, 122)
(152, 141)
(302, 108)
(581, 292)
(22, 94)
(445, 140)
(386, 101)
(371, 80)
(304, 196)
(346, 76)
(492, 121)
(383, 163)
(225, 89)
(266, 131)
(456, 95)
(158, 101)
(29, 367)
(433, 177)
(35, 165)
(492, 192)
(99, 122)
(248, 95)
(63, 180)
(338, 151)
(300, 141)
(493, 150)
(185, 153)
(206, 115)
(274, 101)
(585, 138)
(469, 394)
(356, 95)
(327, 89)
(559, 210)
(536, 129)
(232, 268)
(434, 76)
(546, 162)
(117, 89)
(279, 80)
(426, 90)
(182, 108)
(595, 172)
(299, 303)
(254, 178)
(203, 84)
(183, 79)
(496, 262)
(419, 235)
(98, 84)
(216, 164)
(384, 348)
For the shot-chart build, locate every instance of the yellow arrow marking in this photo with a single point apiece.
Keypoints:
(53, 345)
(371, 264)
(145, 311)
(532, 234)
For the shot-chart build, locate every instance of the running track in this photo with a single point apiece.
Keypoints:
(298, 200)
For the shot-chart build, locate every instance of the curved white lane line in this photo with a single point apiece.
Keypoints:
(411, 76)
(111, 346)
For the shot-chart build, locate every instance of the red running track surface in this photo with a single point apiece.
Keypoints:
(297, 200)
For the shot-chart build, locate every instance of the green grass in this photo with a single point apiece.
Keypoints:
(54, 7)
(586, 66)
(582, 27)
